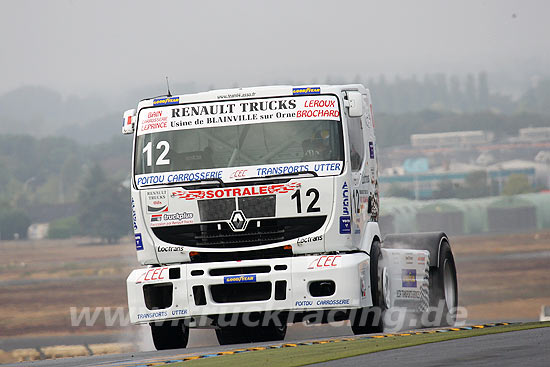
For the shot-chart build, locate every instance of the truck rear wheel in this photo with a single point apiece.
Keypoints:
(443, 287)
(169, 336)
(371, 319)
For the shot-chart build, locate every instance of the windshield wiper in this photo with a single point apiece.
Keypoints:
(281, 175)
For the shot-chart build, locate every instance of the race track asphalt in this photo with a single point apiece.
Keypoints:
(517, 348)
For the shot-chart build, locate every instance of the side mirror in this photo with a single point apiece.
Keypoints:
(128, 121)
(355, 104)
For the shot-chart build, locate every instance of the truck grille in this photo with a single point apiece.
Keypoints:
(267, 253)
(252, 207)
(217, 209)
(257, 233)
(246, 292)
(258, 207)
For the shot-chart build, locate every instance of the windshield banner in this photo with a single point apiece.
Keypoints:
(232, 174)
(227, 113)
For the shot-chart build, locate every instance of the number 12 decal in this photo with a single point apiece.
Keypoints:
(161, 158)
(311, 207)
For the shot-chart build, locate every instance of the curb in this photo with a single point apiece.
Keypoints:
(67, 351)
(64, 351)
(184, 358)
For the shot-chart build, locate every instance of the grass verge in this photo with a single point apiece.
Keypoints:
(307, 354)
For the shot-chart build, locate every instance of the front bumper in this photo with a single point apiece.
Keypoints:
(301, 283)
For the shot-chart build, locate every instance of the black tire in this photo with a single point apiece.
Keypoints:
(371, 319)
(269, 333)
(170, 335)
(233, 335)
(444, 287)
(246, 334)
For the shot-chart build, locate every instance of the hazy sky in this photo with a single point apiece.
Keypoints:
(86, 46)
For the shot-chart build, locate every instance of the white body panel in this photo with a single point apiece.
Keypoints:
(350, 272)
(408, 274)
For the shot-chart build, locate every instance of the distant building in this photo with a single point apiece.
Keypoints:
(423, 185)
(534, 134)
(454, 139)
(38, 231)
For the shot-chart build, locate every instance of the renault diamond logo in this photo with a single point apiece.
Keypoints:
(238, 221)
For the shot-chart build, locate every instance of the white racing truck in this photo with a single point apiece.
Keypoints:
(258, 207)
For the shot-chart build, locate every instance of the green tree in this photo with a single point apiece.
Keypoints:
(517, 184)
(537, 99)
(14, 223)
(475, 185)
(64, 228)
(104, 207)
(396, 190)
(445, 189)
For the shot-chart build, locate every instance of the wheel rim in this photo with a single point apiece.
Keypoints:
(449, 284)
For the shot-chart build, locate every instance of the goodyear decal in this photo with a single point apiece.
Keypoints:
(166, 101)
(306, 91)
(239, 279)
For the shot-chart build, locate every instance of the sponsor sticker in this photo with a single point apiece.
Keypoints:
(345, 224)
(157, 201)
(324, 168)
(371, 149)
(152, 315)
(305, 105)
(177, 216)
(408, 277)
(134, 216)
(332, 302)
(166, 101)
(179, 312)
(408, 294)
(152, 275)
(239, 279)
(168, 249)
(139, 242)
(325, 261)
(345, 218)
(303, 241)
(306, 91)
(236, 191)
(324, 302)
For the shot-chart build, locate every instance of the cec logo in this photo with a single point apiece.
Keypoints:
(238, 173)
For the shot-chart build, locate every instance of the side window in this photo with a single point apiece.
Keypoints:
(357, 145)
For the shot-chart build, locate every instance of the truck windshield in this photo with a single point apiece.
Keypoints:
(261, 146)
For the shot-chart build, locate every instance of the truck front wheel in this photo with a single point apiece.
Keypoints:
(269, 333)
(371, 319)
(245, 334)
(170, 334)
(233, 335)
